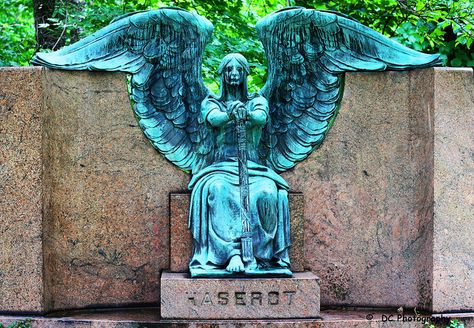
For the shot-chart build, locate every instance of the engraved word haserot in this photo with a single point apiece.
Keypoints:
(241, 298)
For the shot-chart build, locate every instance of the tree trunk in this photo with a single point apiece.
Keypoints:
(50, 35)
(46, 34)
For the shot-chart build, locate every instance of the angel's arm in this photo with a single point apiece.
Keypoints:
(258, 111)
(211, 113)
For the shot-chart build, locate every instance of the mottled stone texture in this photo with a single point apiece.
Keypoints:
(180, 237)
(244, 298)
(106, 203)
(399, 155)
(181, 240)
(368, 193)
(21, 261)
(453, 254)
(149, 318)
(297, 255)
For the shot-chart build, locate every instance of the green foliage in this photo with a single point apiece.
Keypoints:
(17, 32)
(444, 26)
(234, 24)
(454, 323)
(18, 324)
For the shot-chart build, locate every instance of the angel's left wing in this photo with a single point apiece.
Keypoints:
(308, 51)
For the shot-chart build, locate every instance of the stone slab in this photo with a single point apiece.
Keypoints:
(453, 242)
(181, 240)
(239, 298)
(21, 258)
(368, 193)
(106, 205)
(149, 317)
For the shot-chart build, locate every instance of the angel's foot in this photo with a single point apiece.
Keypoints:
(235, 264)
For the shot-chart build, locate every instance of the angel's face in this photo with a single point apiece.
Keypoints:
(234, 73)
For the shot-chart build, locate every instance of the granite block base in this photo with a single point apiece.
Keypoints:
(149, 318)
(239, 298)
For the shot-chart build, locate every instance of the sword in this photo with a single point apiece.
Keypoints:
(246, 241)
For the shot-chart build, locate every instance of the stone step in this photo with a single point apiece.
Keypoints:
(149, 318)
(239, 298)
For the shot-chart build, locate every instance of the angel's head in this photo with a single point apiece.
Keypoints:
(233, 71)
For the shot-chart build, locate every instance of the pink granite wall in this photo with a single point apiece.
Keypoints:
(103, 195)
(453, 256)
(106, 201)
(368, 193)
(21, 261)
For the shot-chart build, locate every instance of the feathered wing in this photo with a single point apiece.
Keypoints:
(308, 51)
(163, 50)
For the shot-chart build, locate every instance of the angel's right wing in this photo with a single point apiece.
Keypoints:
(163, 50)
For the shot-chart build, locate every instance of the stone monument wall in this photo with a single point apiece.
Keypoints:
(84, 204)
(368, 193)
(453, 240)
(21, 191)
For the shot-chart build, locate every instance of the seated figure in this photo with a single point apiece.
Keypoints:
(215, 220)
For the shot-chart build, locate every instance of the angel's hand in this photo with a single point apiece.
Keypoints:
(238, 111)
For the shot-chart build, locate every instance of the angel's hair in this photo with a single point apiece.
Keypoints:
(242, 61)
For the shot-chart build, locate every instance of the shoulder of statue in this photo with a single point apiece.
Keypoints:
(258, 100)
(211, 100)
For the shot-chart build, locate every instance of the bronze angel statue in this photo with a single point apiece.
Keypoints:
(234, 143)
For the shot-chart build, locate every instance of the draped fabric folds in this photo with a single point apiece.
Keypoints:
(214, 218)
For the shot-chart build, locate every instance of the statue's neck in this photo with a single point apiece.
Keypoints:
(234, 93)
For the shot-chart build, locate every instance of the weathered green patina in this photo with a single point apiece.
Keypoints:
(235, 143)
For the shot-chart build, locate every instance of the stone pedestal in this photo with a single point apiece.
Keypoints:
(236, 298)
(239, 298)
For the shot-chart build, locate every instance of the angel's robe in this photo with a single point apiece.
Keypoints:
(215, 220)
